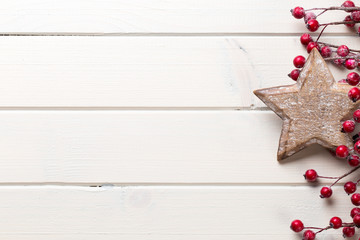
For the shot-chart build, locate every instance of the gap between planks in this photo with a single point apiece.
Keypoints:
(159, 34)
(159, 185)
(223, 187)
(90, 108)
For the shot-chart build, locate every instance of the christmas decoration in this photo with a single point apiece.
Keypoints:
(318, 109)
(312, 109)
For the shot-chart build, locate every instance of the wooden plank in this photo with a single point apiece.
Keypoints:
(141, 72)
(157, 16)
(151, 147)
(173, 211)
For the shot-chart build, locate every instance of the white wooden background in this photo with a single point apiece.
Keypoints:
(135, 119)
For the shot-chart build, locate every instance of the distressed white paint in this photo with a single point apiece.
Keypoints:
(142, 72)
(152, 109)
(151, 147)
(179, 212)
(156, 16)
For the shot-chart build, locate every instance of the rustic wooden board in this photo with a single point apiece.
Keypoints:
(145, 72)
(151, 147)
(179, 212)
(156, 16)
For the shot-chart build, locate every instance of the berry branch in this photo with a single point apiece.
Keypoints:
(348, 229)
(336, 46)
(339, 55)
(348, 58)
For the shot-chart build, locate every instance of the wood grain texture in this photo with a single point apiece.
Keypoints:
(145, 72)
(156, 16)
(151, 147)
(172, 212)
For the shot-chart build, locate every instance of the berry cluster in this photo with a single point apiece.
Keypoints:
(348, 229)
(350, 187)
(349, 59)
(340, 55)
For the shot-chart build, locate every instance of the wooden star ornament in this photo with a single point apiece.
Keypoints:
(312, 109)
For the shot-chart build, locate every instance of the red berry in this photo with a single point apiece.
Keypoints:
(348, 126)
(348, 231)
(311, 175)
(309, 235)
(350, 187)
(312, 25)
(339, 61)
(349, 19)
(354, 211)
(348, 4)
(326, 51)
(312, 45)
(297, 225)
(357, 146)
(354, 94)
(298, 12)
(350, 64)
(305, 39)
(353, 78)
(325, 192)
(335, 222)
(358, 31)
(294, 74)
(356, 220)
(355, 15)
(299, 61)
(308, 16)
(342, 51)
(354, 160)
(356, 115)
(355, 199)
(342, 151)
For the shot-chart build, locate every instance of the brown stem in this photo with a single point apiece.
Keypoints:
(335, 8)
(338, 23)
(328, 177)
(345, 175)
(348, 225)
(334, 58)
(329, 227)
(321, 13)
(336, 46)
(322, 30)
(323, 229)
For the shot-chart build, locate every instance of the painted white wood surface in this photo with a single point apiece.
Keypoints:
(143, 72)
(156, 16)
(172, 212)
(151, 147)
(148, 113)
